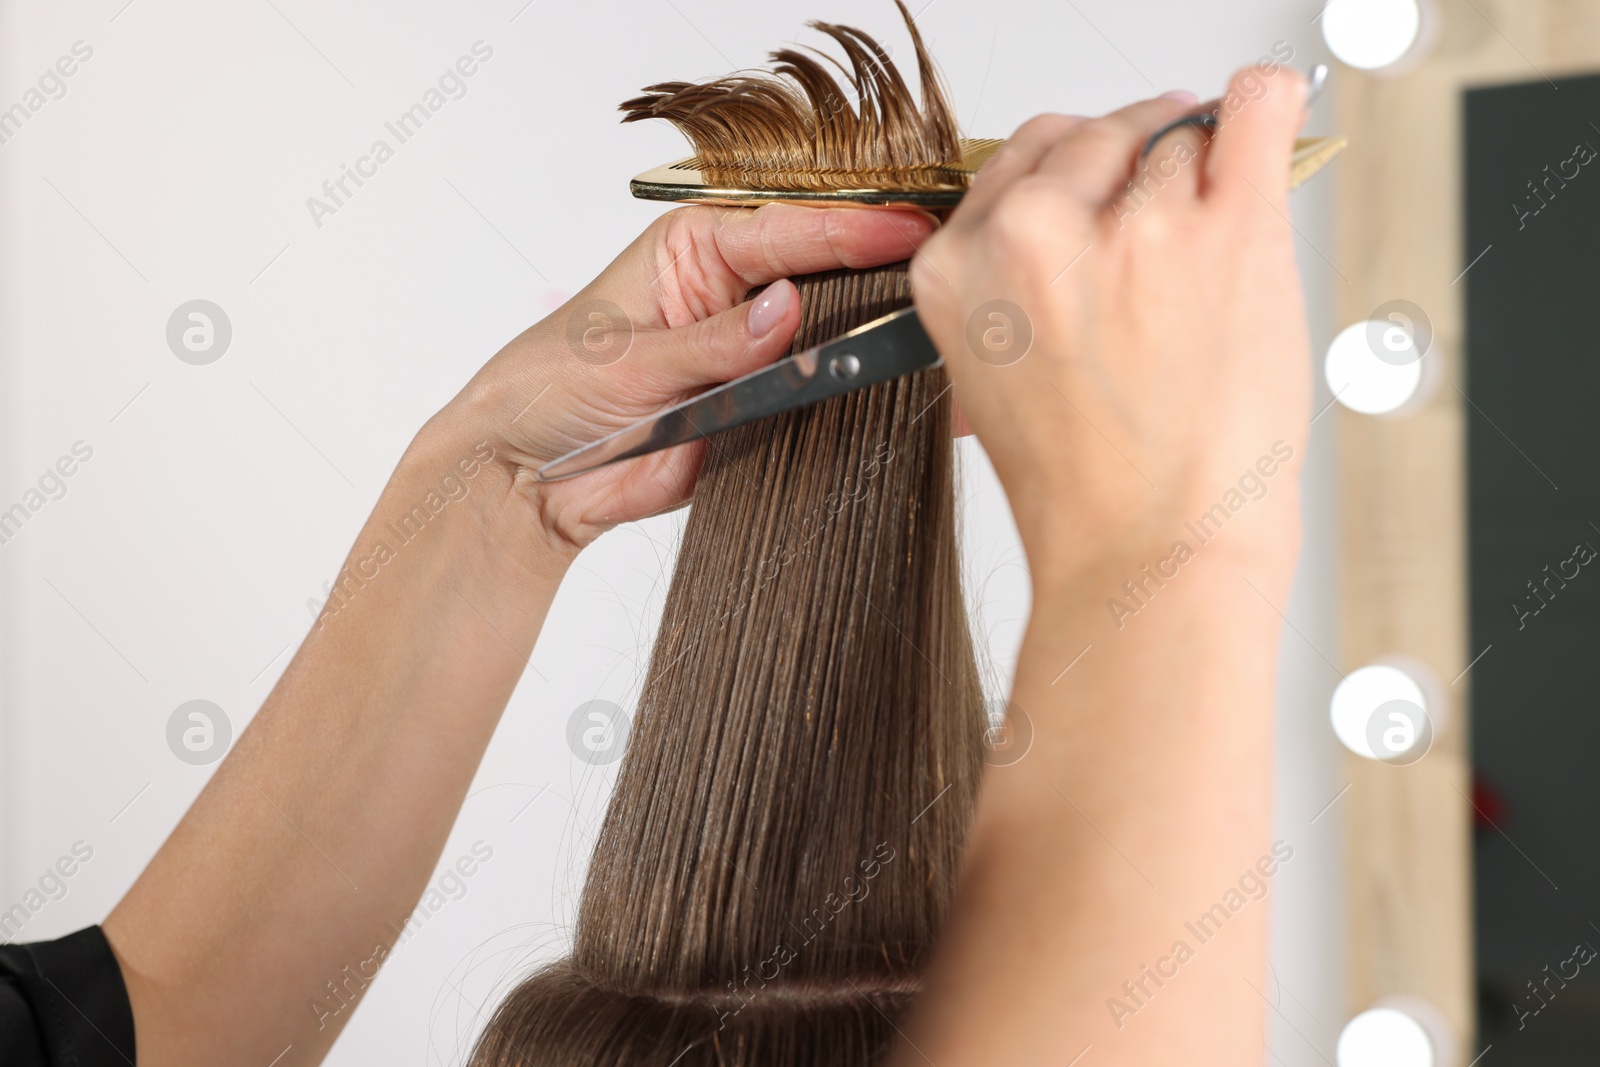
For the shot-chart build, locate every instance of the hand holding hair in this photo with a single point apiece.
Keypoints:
(370, 738)
(673, 309)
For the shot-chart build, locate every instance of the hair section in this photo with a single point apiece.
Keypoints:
(796, 126)
(785, 831)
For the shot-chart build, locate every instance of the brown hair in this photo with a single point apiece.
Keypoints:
(785, 831)
(794, 128)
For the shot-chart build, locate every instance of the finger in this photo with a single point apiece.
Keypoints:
(640, 485)
(1251, 154)
(667, 363)
(1176, 161)
(783, 240)
(1096, 160)
(698, 261)
(1018, 156)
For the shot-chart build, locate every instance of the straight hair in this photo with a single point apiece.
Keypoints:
(783, 839)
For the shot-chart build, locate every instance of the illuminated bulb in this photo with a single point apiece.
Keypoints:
(1358, 700)
(1385, 1037)
(1373, 368)
(1371, 34)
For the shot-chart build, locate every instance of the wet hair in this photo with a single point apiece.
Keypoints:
(797, 128)
(785, 831)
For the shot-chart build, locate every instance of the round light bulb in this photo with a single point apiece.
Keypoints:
(1380, 712)
(1373, 367)
(1371, 34)
(1384, 1037)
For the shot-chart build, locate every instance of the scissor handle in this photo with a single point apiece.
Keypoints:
(1205, 117)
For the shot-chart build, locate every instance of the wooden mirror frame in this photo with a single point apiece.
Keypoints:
(1402, 485)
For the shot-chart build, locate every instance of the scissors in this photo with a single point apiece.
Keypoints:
(1206, 119)
(875, 352)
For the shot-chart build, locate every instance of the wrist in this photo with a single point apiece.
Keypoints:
(1067, 547)
(1120, 580)
(1122, 610)
(455, 464)
(525, 426)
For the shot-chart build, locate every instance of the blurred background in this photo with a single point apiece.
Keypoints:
(229, 374)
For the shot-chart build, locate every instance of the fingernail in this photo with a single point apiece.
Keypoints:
(1181, 96)
(1316, 81)
(769, 308)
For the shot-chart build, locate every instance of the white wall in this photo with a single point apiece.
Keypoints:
(219, 498)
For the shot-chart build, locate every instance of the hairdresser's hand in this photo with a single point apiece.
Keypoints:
(1169, 349)
(666, 319)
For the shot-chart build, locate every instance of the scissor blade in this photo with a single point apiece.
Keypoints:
(721, 408)
(880, 350)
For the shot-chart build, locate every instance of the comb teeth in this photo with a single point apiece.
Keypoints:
(898, 179)
(927, 185)
(974, 153)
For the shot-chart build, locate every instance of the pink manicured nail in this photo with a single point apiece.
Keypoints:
(770, 308)
(1182, 96)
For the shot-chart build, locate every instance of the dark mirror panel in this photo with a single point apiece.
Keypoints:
(1532, 352)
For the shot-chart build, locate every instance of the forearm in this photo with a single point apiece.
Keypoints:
(320, 829)
(313, 841)
(1145, 797)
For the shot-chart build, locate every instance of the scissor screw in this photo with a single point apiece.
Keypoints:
(844, 366)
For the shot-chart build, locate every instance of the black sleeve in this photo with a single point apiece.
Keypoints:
(63, 1004)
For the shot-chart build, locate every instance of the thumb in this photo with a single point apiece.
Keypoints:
(1249, 158)
(724, 346)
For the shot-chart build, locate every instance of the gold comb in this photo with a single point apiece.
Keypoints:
(1311, 154)
(924, 187)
